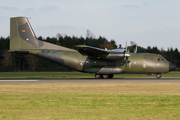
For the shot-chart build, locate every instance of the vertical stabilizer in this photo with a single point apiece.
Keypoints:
(22, 35)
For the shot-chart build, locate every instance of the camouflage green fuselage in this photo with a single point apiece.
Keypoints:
(137, 63)
(79, 62)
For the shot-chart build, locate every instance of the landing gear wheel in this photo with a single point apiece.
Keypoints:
(158, 76)
(97, 76)
(104, 76)
(110, 76)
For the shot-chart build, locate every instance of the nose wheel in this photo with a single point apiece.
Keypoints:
(158, 75)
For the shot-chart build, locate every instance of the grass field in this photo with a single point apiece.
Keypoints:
(89, 101)
(78, 75)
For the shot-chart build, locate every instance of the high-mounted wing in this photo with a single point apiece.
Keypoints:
(101, 53)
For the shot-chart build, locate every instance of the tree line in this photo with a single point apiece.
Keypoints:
(10, 62)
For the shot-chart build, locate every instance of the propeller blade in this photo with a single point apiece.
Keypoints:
(126, 47)
(135, 49)
(134, 44)
(126, 53)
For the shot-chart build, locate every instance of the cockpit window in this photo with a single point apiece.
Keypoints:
(161, 59)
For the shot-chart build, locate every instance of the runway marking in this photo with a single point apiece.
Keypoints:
(19, 80)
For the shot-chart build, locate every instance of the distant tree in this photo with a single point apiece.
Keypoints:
(107, 46)
(7, 58)
(40, 38)
(32, 62)
(155, 50)
(120, 46)
(89, 34)
(176, 57)
(113, 42)
(141, 49)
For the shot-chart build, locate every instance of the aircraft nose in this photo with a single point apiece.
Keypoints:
(171, 67)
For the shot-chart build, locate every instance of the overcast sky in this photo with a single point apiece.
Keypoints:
(147, 22)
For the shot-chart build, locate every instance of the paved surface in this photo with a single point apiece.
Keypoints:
(94, 80)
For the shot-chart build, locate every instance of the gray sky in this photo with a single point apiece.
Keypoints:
(147, 22)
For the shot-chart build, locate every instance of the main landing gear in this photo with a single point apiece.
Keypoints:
(97, 76)
(158, 75)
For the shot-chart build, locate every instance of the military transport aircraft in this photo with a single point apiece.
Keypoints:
(104, 63)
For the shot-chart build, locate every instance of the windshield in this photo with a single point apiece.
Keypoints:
(161, 59)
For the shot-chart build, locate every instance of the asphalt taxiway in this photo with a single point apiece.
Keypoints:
(87, 80)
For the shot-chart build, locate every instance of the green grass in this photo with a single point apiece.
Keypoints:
(78, 75)
(89, 101)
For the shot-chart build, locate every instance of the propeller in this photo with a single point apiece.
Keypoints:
(127, 54)
(134, 44)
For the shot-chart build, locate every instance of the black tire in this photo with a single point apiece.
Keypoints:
(158, 76)
(110, 76)
(104, 76)
(97, 76)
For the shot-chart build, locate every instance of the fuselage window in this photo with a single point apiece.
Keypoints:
(87, 62)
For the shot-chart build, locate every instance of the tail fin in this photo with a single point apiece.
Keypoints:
(22, 37)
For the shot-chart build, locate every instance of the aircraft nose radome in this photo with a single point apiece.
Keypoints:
(171, 67)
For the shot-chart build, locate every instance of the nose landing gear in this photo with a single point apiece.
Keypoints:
(158, 75)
